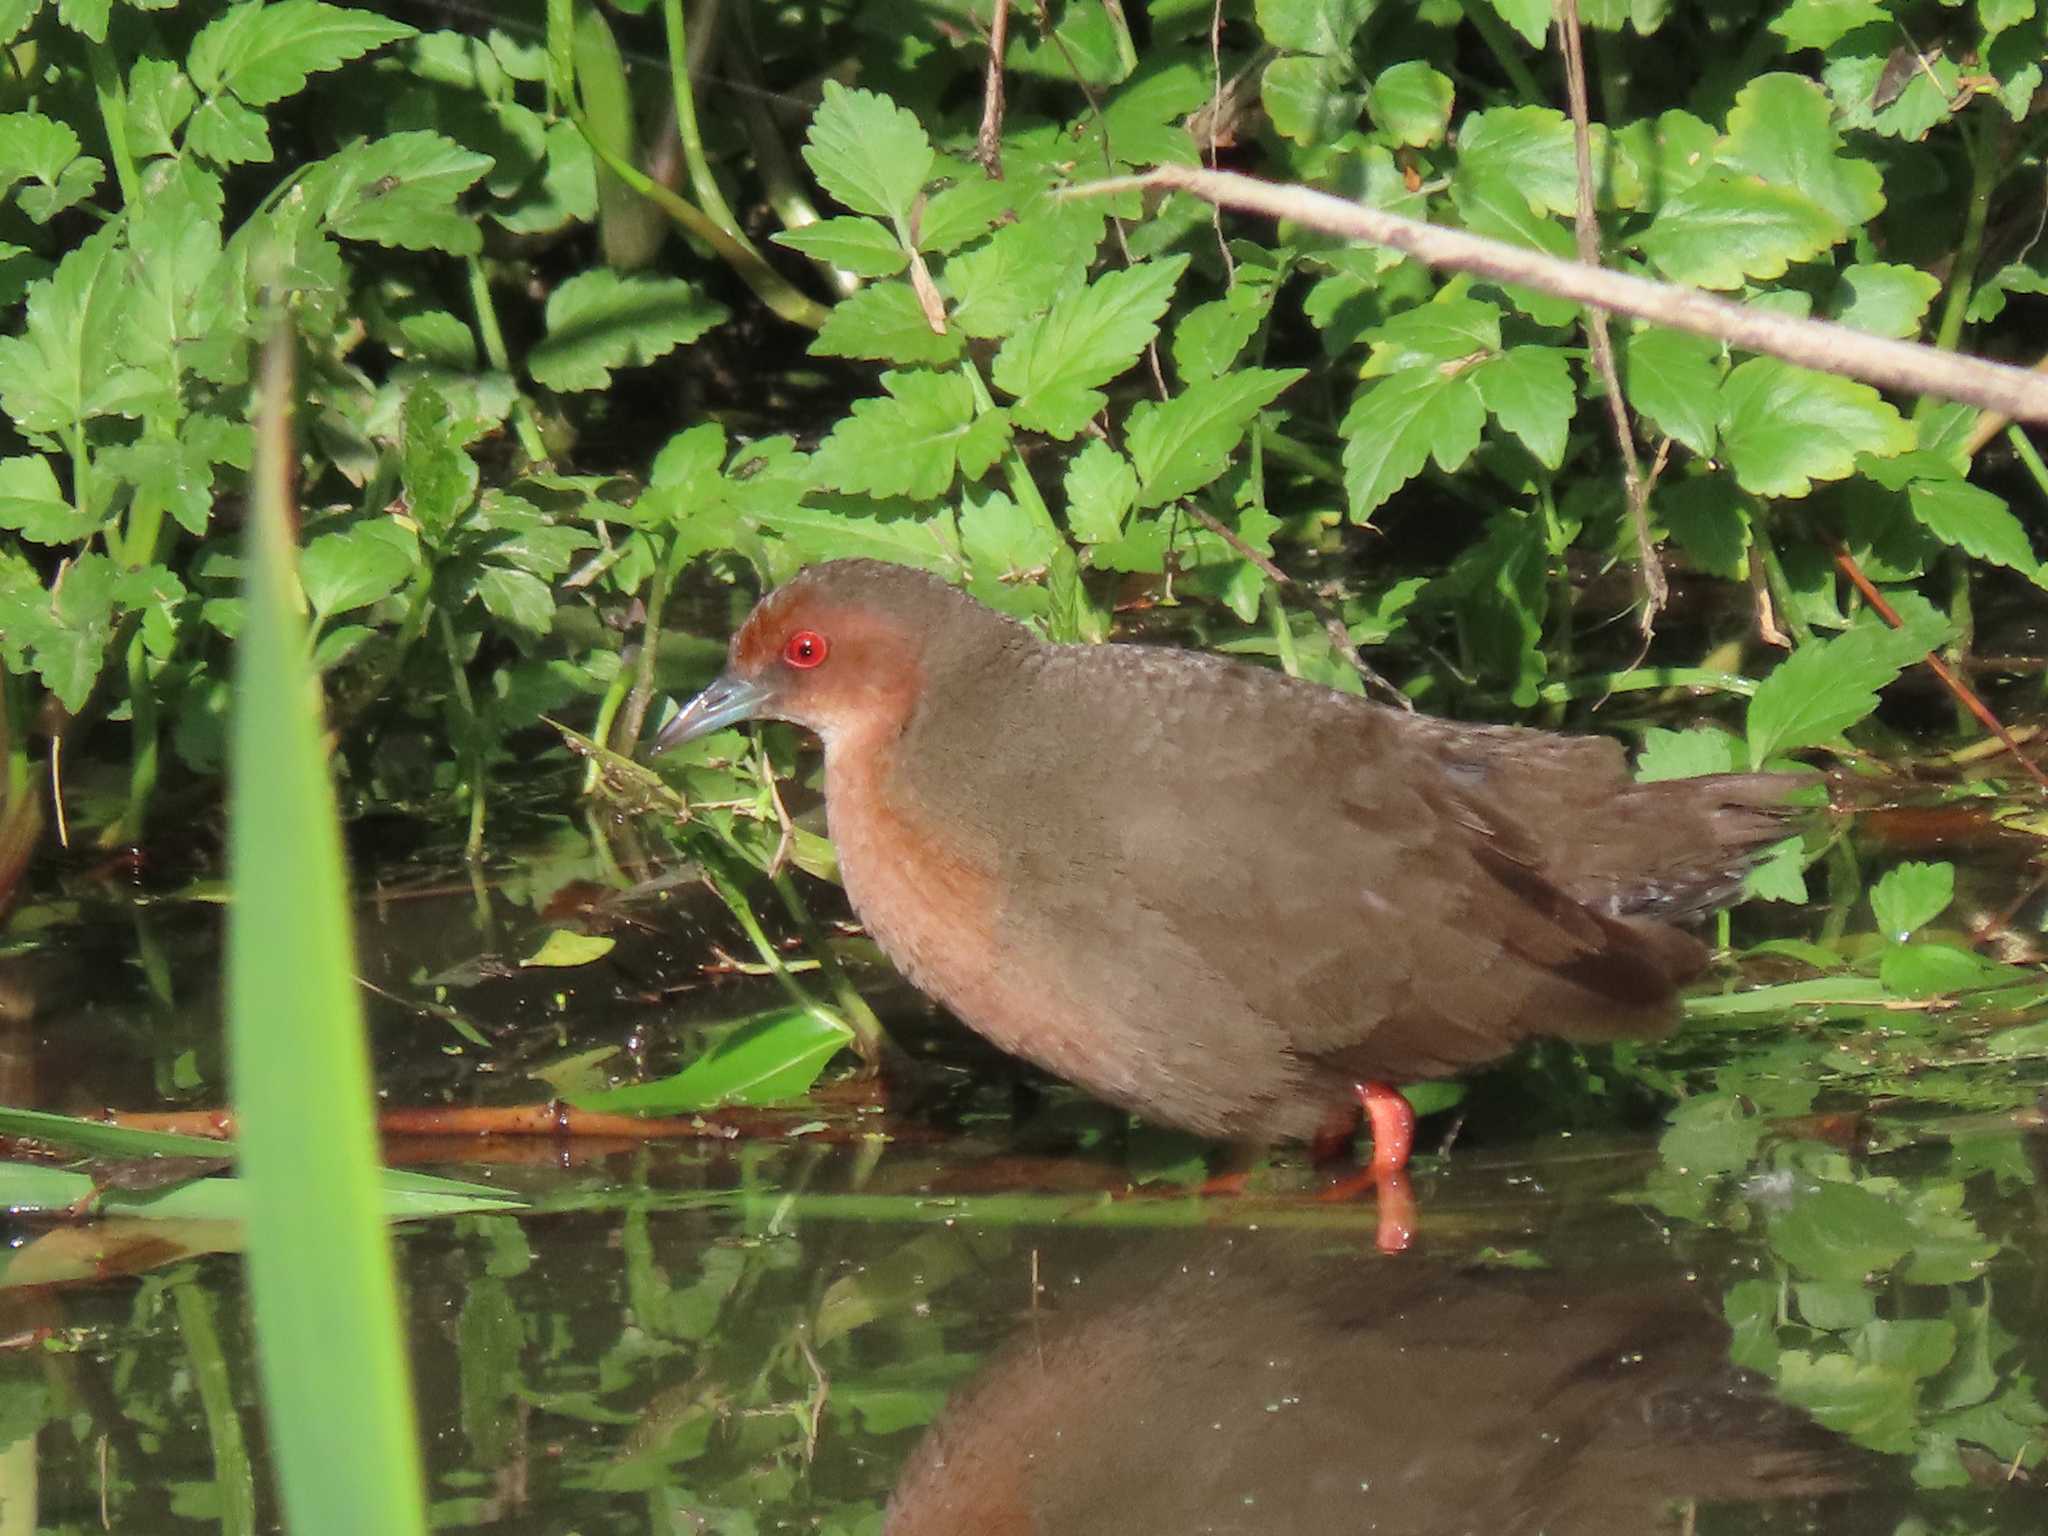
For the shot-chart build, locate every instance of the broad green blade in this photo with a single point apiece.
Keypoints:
(336, 1389)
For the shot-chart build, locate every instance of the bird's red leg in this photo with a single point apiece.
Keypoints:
(1393, 1137)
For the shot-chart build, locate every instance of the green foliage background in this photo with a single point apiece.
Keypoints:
(538, 398)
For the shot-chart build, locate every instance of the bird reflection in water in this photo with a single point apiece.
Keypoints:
(1263, 1385)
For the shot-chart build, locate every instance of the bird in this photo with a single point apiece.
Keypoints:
(1233, 902)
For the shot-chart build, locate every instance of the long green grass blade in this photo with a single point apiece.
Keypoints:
(329, 1335)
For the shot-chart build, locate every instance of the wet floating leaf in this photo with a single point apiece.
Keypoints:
(769, 1060)
(564, 947)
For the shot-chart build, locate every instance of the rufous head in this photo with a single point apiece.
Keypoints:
(840, 648)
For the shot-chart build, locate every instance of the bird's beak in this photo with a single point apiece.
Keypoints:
(727, 701)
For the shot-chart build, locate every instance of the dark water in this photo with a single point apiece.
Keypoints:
(1783, 1273)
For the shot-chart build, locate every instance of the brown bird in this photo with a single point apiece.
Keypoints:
(1222, 898)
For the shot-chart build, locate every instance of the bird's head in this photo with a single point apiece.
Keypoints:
(840, 648)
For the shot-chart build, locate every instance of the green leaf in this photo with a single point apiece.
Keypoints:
(1053, 365)
(869, 153)
(1324, 27)
(1780, 130)
(1101, 490)
(255, 54)
(1685, 754)
(860, 246)
(1531, 18)
(600, 320)
(564, 948)
(401, 190)
(1725, 229)
(1181, 444)
(910, 441)
(1885, 298)
(1534, 151)
(1912, 895)
(1020, 269)
(1411, 103)
(62, 370)
(1820, 23)
(520, 598)
(1841, 1232)
(965, 211)
(1491, 204)
(1307, 100)
(263, 53)
(885, 323)
(41, 150)
(160, 99)
(356, 568)
(772, 1059)
(1006, 543)
(1826, 686)
(1975, 521)
(1675, 379)
(1395, 426)
(1710, 519)
(1936, 970)
(1530, 390)
(321, 1286)
(1210, 336)
(1445, 330)
(1782, 428)
(33, 506)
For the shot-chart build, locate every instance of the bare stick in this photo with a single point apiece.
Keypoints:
(1901, 365)
(1991, 423)
(1586, 225)
(1965, 694)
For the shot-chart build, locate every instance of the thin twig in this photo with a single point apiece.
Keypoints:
(1901, 365)
(1991, 423)
(1964, 693)
(1333, 622)
(988, 144)
(1586, 225)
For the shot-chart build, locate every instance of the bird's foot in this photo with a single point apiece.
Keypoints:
(1393, 1137)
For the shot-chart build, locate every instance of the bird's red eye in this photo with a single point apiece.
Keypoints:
(806, 648)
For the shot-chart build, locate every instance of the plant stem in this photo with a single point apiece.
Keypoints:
(721, 881)
(1982, 148)
(144, 739)
(769, 286)
(628, 733)
(702, 182)
(859, 1017)
(1595, 685)
(2024, 447)
(1501, 43)
(524, 422)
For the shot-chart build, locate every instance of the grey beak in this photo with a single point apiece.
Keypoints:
(727, 701)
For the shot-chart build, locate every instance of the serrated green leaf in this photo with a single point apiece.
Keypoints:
(1675, 379)
(1885, 298)
(520, 598)
(1782, 428)
(905, 443)
(45, 152)
(965, 211)
(1004, 541)
(1179, 445)
(599, 320)
(1395, 426)
(33, 506)
(861, 246)
(1102, 487)
(1053, 365)
(1912, 895)
(1530, 390)
(1725, 229)
(884, 323)
(1685, 754)
(262, 53)
(817, 529)
(1019, 270)
(228, 133)
(1780, 130)
(1976, 521)
(1445, 330)
(1411, 103)
(1209, 337)
(1489, 203)
(1533, 150)
(1307, 99)
(401, 190)
(1856, 67)
(1826, 686)
(160, 99)
(1841, 1232)
(63, 369)
(869, 153)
